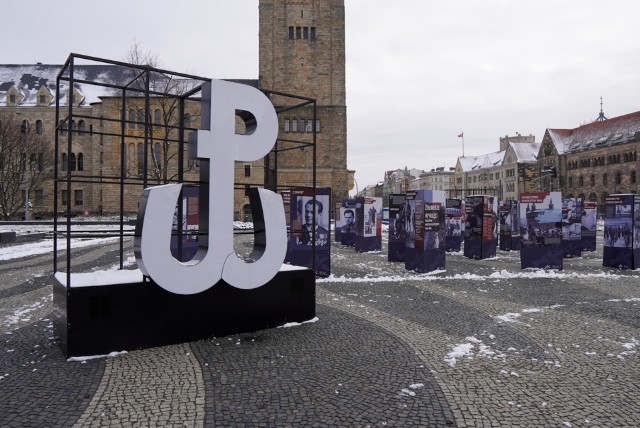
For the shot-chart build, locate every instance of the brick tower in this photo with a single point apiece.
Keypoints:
(302, 52)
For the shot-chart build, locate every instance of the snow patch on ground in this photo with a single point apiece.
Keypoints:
(93, 357)
(24, 313)
(297, 324)
(473, 346)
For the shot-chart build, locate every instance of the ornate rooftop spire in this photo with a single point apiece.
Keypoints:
(601, 116)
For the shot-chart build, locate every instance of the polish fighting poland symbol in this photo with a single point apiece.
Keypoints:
(220, 147)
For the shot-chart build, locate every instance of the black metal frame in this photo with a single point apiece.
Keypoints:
(142, 74)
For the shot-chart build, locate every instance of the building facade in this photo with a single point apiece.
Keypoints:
(435, 179)
(593, 160)
(301, 52)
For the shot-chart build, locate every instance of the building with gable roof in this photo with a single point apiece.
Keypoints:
(479, 175)
(520, 169)
(592, 160)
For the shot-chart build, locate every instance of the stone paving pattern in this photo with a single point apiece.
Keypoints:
(558, 350)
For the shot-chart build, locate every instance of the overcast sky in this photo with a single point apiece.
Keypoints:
(419, 72)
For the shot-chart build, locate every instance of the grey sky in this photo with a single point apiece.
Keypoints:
(419, 72)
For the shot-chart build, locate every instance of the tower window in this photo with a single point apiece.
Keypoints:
(290, 33)
(247, 170)
(287, 125)
(305, 33)
(313, 33)
(294, 122)
(298, 32)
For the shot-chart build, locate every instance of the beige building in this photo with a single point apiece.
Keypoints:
(592, 160)
(301, 52)
(435, 179)
(519, 169)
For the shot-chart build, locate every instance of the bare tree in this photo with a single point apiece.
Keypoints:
(163, 119)
(19, 147)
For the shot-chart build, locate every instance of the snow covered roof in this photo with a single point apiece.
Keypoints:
(525, 152)
(29, 78)
(617, 130)
(474, 163)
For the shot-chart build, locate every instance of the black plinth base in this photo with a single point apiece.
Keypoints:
(102, 319)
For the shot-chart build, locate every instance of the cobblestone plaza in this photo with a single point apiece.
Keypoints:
(480, 344)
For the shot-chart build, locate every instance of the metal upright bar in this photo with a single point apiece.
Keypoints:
(70, 102)
(180, 173)
(55, 179)
(147, 107)
(313, 127)
(123, 172)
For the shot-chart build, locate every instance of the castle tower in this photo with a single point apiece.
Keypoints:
(302, 52)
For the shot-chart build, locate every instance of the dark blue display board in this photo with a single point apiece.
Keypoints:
(589, 225)
(348, 222)
(397, 228)
(621, 241)
(571, 227)
(189, 225)
(509, 225)
(413, 237)
(303, 231)
(541, 230)
(480, 234)
(425, 246)
(454, 224)
(337, 221)
(369, 228)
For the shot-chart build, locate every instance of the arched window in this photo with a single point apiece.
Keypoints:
(581, 196)
(64, 162)
(187, 120)
(604, 179)
(62, 126)
(570, 181)
(140, 158)
(39, 128)
(156, 151)
(580, 181)
(593, 180)
(72, 161)
(132, 155)
(593, 197)
(157, 117)
(73, 126)
(618, 178)
(141, 119)
(80, 162)
(132, 118)
(633, 177)
(81, 127)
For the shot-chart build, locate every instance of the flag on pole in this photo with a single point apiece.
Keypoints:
(461, 135)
